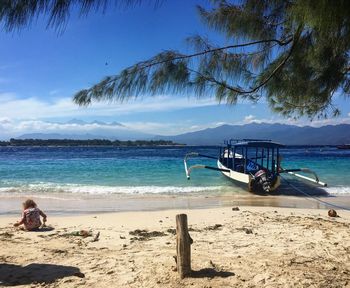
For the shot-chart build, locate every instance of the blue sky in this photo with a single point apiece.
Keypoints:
(41, 69)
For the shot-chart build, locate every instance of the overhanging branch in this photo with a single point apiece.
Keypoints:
(181, 57)
(267, 79)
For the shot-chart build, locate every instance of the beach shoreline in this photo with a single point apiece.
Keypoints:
(254, 246)
(80, 204)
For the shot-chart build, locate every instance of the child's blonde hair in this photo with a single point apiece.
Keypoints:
(29, 203)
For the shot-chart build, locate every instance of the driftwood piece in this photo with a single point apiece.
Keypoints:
(183, 246)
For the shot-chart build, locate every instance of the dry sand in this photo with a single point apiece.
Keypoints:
(254, 247)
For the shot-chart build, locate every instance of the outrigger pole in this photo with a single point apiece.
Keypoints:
(188, 170)
(305, 170)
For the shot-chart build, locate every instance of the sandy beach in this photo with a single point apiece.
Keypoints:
(252, 247)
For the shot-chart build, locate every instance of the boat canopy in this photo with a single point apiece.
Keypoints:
(254, 143)
(251, 155)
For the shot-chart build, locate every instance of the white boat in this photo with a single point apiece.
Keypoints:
(251, 163)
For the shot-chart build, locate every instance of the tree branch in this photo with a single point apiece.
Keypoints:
(267, 79)
(277, 41)
(295, 41)
(149, 64)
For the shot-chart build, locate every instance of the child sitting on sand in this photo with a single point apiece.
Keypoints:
(31, 216)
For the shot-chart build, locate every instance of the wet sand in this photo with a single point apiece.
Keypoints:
(252, 247)
(72, 205)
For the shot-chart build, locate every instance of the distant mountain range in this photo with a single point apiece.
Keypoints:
(97, 130)
(82, 122)
(123, 135)
(285, 134)
(50, 136)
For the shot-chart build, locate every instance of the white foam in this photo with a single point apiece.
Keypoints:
(338, 190)
(96, 189)
(47, 188)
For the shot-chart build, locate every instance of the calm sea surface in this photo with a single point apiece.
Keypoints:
(105, 171)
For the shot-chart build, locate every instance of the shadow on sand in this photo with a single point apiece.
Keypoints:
(296, 188)
(41, 229)
(46, 229)
(210, 273)
(13, 275)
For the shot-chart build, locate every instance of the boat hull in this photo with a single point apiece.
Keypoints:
(242, 179)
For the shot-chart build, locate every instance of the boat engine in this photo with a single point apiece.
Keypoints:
(261, 182)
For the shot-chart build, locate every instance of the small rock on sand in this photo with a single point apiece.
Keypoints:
(332, 213)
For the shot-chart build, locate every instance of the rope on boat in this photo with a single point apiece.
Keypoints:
(313, 197)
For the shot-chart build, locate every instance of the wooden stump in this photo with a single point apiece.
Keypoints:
(183, 246)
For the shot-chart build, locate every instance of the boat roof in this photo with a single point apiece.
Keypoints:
(255, 143)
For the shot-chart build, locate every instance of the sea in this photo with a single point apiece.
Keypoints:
(104, 179)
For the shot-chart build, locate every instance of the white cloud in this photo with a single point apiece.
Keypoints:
(11, 128)
(5, 120)
(14, 128)
(145, 126)
(33, 108)
(40, 126)
(290, 121)
(168, 128)
(31, 115)
(248, 119)
(7, 97)
(220, 123)
(330, 121)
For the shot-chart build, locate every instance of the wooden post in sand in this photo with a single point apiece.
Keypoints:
(183, 246)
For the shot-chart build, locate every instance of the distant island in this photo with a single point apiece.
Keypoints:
(92, 142)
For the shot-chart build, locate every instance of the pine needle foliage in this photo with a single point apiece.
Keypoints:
(292, 53)
(16, 14)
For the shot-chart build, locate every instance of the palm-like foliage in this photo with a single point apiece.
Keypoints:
(295, 53)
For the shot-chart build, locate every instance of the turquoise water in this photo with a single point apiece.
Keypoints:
(96, 171)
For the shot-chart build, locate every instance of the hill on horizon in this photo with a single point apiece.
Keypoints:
(283, 133)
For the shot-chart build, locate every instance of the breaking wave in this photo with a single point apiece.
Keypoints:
(44, 188)
(338, 190)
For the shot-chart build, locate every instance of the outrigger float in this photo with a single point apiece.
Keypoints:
(253, 163)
